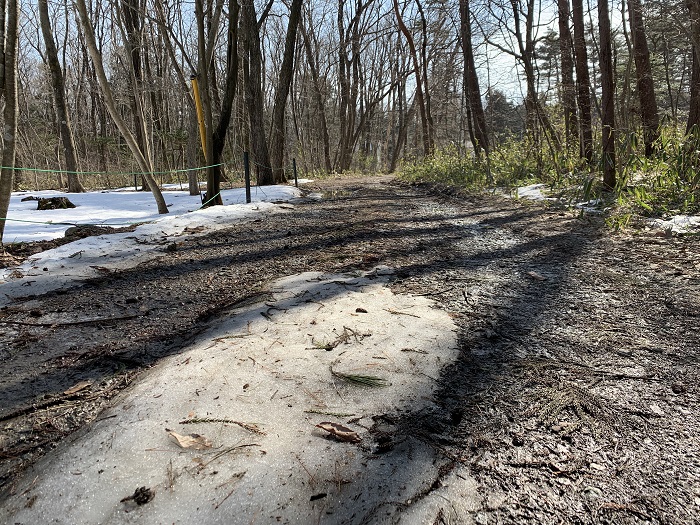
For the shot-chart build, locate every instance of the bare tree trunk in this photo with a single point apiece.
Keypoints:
(318, 99)
(428, 145)
(567, 72)
(477, 117)
(206, 36)
(607, 96)
(219, 136)
(144, 162)
(192, 147)
(402, 132)
(425, 76)
(132, 13)
(277, 133)
(645, 80)
(694, 113)
(252, 75)
(9, 90)
(347, 99)
(583, 82)
(3, 19)
(57, 83)
(193, 138)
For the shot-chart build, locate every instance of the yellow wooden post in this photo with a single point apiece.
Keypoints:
(200, 115)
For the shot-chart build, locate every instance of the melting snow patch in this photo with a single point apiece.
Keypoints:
(242, 408)
(591, 206)
(115, 208)
(677, 224)
(88, 257)
(531, 192)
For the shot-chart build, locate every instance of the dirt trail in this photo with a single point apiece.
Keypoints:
(575, 397)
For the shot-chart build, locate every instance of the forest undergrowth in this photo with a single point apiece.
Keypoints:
(659, 186)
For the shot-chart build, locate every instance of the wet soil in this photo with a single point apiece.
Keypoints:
(575, 397)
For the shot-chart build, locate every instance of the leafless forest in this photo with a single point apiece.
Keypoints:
(94, 89)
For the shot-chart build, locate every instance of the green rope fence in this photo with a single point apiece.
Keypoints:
(127, 173)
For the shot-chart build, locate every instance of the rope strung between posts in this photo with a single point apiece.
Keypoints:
(54, 223)
(46, 170)
(208, 201)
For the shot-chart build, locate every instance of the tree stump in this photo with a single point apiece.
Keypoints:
(54, 203)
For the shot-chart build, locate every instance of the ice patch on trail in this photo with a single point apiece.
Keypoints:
(256, 386)
(531, 192)
(677, 224)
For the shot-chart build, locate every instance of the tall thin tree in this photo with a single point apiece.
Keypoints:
(607, 95)
(277, 132)
(583, 82)
(143, 159)
(648, 108)
(59, 97)
(428, 145)
(567, 70)
(477, 117)
(221, 129)
(9, 26)
(694, 112)
(252, 79)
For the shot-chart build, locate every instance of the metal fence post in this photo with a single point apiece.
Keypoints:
(246, 171)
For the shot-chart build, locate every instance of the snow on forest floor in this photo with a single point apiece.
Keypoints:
(252, 405)
(122, 207)
(88, 257)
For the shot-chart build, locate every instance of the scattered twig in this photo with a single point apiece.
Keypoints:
(325, 413)
(342, 338)
(414, 350)
(248, 426)
(74, 323)
(224, 338)
(440, 292)
(233, 478)
(228, 451)
(40, 406)
(312, 479)
(396, 312)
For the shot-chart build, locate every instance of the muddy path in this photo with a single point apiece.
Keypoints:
(575, 396)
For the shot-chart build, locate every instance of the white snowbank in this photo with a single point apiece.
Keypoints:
(88, 257)
(114, 208)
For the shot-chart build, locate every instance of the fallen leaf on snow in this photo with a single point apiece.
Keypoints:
(341, 432)
(195, 441)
